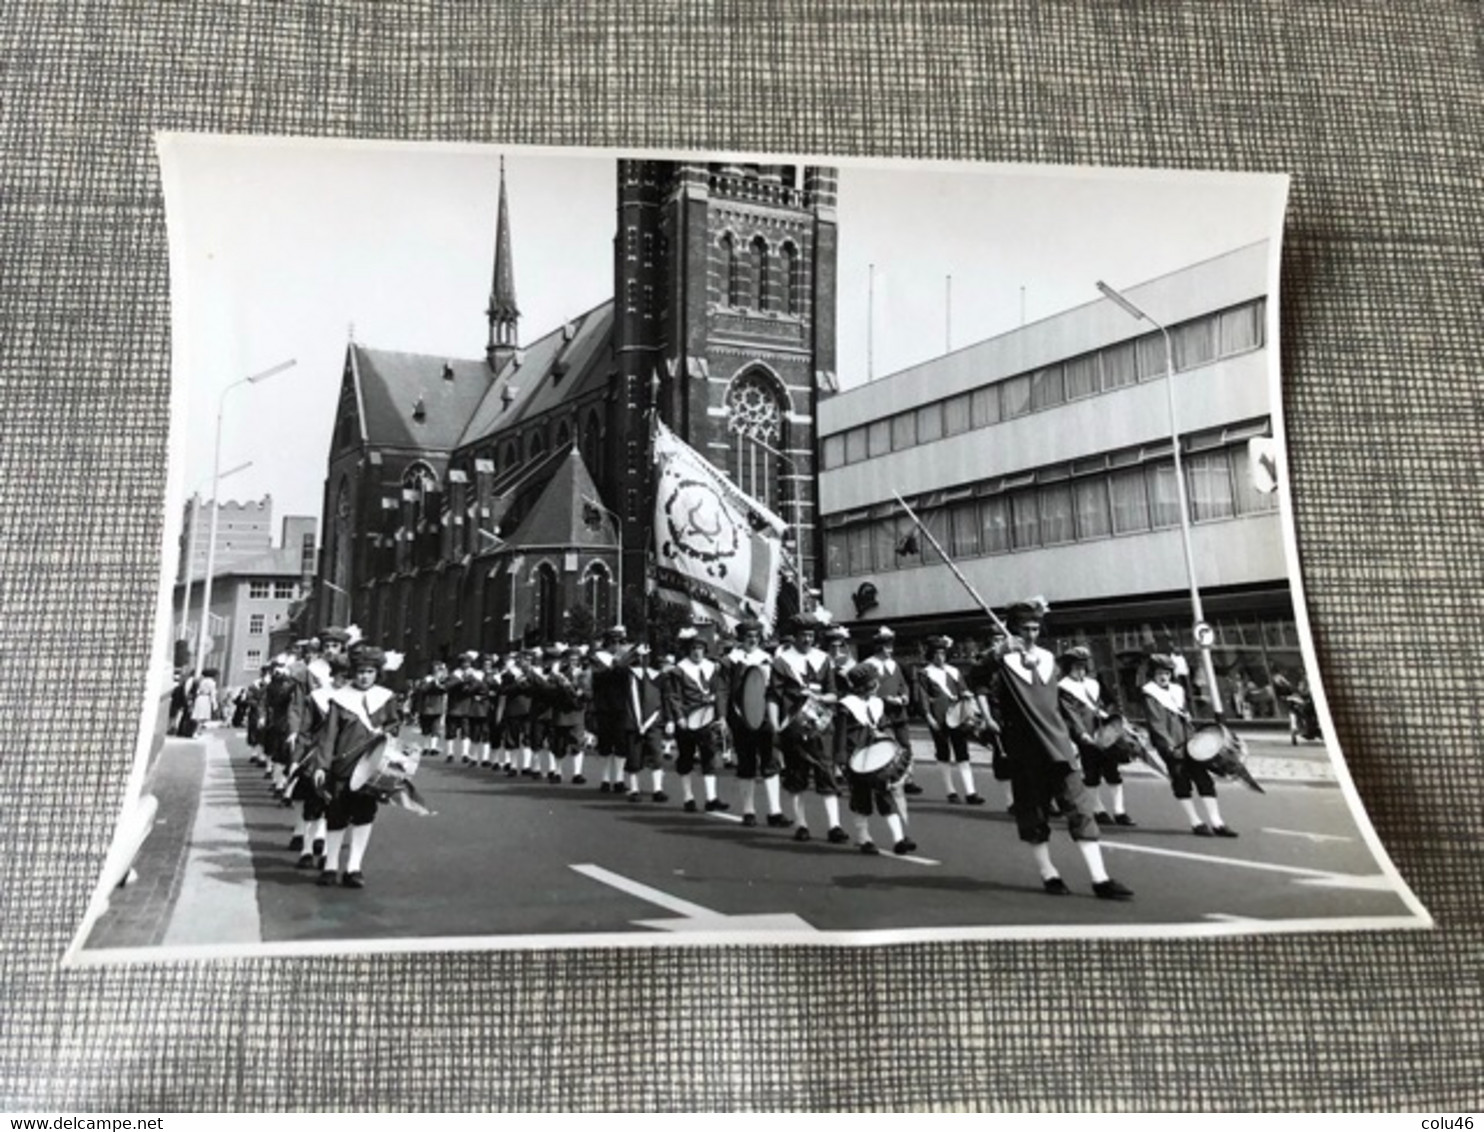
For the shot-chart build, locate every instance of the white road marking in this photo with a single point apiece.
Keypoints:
(1375, 881)
(211, 909)
(884, 853)
(693, 917)
(1316, 837)
(1228, 918)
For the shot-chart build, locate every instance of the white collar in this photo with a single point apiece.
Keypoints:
(703, 670)
(1043, 664)
(941, 674)
(1087, 689)
(362, 704)
(1172, 698)
(885, 663)
(864, 711)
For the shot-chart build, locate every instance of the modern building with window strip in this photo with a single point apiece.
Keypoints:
(1042, 461)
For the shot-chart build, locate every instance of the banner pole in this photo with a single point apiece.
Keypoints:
(957, 573)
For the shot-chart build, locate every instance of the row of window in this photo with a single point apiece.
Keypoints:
(760, 279)
(1124, 501)
(1195, 343)
(278, 591)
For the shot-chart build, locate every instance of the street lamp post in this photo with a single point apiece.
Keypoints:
(618, 578)
(216, 478)
(798, 523)
(1195, 593)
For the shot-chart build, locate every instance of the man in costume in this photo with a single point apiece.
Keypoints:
(1024, 701)
(1082, 708)
(946, 699)
(894, 686)
(430, 701)
(610, 705)
(695, 706)
(462, 682)
(356, 716)
(862, 722)
(1170, 729)
(515, 697)
(748, 672)
(804, 689)
(642, 727)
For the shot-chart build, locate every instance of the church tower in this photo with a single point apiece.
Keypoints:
(724, 293)
(502, 313)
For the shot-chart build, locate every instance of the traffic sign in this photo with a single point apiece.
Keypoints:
(1205, 636)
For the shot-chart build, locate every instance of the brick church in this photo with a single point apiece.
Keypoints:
(479, 503)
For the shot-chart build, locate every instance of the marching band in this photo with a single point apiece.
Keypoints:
(805, 721)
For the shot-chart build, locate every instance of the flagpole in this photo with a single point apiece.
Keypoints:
(957, 573)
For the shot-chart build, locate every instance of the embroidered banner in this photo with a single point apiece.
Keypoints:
(717, 550)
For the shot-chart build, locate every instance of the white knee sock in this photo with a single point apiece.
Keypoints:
(770, 787)
(1117, 792)
(525, 758)
(1213, 812)
(577, 764)
(966, 777)
(862, 828)
(1188, 806)
(360, 835)
(948, 783)
(799, 815)
(747, 793)
(316, 832)
(656, 780)
(1042, 855)
(1092, 853)
(894, 824)
(484, 754)
(333, 840)
(687, 788)
(832, 810)
(708, 783)
(464, 746)
(302, 828)
(633, 783)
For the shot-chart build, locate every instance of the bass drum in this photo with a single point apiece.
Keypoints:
(1109, 734)
(881, 763)
(384, 769)
(752, 700)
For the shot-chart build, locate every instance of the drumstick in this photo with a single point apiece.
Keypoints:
(957, 573)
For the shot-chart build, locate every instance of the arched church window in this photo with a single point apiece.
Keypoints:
(548, 602)
(419, 486)
(536, 445)
(757, 274)
(755, 419)
(592, 445)
(339, 565)
(788, 282)
(563, 436)
(732, 268)
(597, 593)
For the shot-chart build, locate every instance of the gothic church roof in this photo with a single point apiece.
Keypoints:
(562, 517)
(408, 402)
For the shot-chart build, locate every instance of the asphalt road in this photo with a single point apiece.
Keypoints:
(514, 857)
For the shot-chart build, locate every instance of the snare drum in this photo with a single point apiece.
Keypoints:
(699, 718)
(881, 763)
(960, 714)
(1109, 733)
(813, 718)
(1209, 743)
(384, 769)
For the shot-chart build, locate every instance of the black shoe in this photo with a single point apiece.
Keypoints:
(318, 847)
(717, 806)
(904, 846)
(296, 842)
(1055, 886)
(554, 778)
(450, 757)
(1123, 819)
(661, 796)
(635, 796)
(778, 821)
(912, 788)
(467, 760)
(327, 877)
(354, 880)
(691, 807)
(802, 833)
(953, 799)
(579, 780)
(1103, 818)
(869, 849)
(837, 836)
(749, 820)
(605, 788)
(307, 861)
(1110, 889)
(1201, 829)
(975, 799)
(511, 772)
(1222, 831)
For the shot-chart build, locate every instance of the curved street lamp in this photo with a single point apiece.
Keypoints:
(1195, 593)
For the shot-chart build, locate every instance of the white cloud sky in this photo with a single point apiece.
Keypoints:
(281, 246)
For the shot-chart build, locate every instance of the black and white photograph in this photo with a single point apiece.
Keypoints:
(583, 548)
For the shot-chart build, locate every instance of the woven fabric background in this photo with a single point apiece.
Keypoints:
(1378, 111)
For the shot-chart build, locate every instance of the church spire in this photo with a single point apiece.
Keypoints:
(502, 312)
